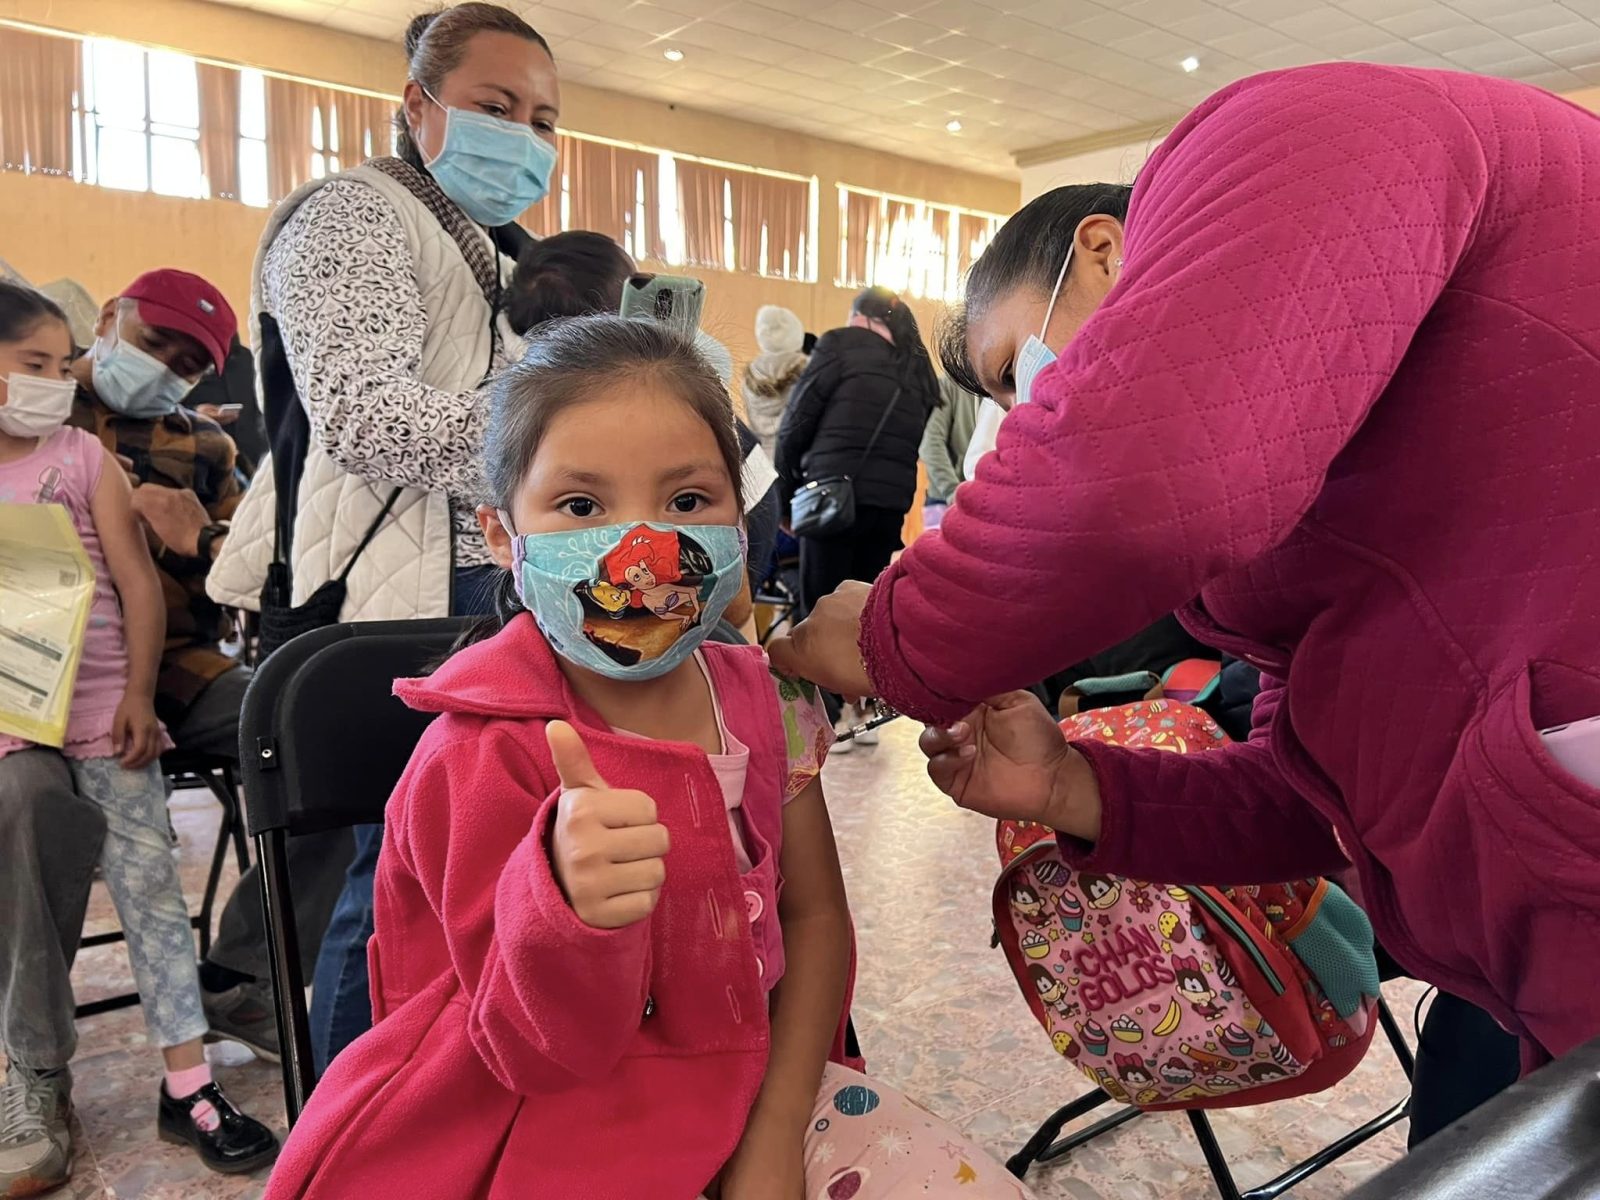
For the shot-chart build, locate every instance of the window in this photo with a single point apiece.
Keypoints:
(138, 120)
(916, 247)
(253, 188)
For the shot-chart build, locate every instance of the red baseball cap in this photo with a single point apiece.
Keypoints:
(185, 303)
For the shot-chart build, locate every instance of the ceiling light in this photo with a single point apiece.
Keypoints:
(677, 55)
(953, 125)
(1190, 64)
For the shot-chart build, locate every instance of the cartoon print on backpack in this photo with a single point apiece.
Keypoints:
(1052, 991)
(1027, 904)
(1100, 890)
(1194, 988)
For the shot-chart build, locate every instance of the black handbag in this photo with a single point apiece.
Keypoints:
(282, 622)
(827, 507)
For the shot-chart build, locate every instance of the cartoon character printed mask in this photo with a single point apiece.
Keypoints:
(628, 602)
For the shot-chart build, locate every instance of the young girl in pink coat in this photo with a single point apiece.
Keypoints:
(613, 952)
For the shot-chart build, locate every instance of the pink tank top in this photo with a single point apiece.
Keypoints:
(65, 469)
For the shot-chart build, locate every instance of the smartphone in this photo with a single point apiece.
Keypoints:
(227, 410)
(1576, 746)
(674, 300)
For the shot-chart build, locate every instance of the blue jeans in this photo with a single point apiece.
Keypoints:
(341, 999)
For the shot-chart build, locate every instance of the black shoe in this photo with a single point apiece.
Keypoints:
(237, 1146)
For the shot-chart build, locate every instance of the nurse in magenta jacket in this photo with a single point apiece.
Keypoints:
(1334, 397)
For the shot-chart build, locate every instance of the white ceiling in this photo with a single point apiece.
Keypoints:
(1017, 74)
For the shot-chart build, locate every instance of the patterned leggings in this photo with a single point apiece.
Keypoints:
(867, 1142)
(136, 862)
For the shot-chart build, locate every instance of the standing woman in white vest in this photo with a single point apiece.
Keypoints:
(375, 297)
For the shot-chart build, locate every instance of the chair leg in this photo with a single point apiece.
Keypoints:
(1397, 1038)
(283, 957)
(208, 899)
(1040, 1142)
(1209, 1146)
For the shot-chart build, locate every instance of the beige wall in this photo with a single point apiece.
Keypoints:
(103, 237)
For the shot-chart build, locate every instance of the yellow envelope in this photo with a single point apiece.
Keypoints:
(46, 588)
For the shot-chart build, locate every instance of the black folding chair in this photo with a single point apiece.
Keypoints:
(182, 770)
(1534, 1141)
(322, 743)
(1048, 1145)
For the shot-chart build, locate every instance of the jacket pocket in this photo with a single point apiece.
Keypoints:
(1550, 817)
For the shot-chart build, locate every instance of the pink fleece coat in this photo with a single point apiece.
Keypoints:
(516, 1051)
(1346, 393)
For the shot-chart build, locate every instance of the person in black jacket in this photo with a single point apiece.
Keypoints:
(873, 374)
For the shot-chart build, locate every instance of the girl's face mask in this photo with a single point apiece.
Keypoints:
(629, 602)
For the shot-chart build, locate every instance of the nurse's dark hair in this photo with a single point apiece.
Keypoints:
(22, 309)
(1026, 253)
(572, 361)
(436, 42)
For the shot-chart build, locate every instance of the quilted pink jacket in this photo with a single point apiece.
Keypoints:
(1344, 404)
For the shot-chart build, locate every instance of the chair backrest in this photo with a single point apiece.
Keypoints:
(322, 739)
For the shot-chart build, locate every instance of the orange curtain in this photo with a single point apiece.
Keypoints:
(345, 124)
(700, 208)
(289, 106)
(603, 185)
(219, 129)
(860, 238)
(973, 235)
(544, 218)
(40, 78)
(780, 208)
(359, 121)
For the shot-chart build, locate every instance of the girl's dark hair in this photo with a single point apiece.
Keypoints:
(571, 361)
(1026, 253)
(570, 274)
(22, 308)
(916, 367)
(437, 41)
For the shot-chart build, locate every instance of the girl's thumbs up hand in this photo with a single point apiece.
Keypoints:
(608, 849)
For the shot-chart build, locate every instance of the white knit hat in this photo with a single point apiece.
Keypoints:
(778, 331)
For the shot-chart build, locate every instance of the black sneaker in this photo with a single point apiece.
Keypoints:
(244, 1014)
(237, 1146)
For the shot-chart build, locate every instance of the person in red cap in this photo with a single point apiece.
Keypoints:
(154, 341)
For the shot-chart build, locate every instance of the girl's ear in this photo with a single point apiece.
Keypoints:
(496, 534)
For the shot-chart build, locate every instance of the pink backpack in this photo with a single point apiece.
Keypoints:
(1171, 996)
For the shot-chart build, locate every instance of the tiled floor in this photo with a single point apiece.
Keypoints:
(936, 1009)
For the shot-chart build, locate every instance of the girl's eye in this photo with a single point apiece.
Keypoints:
(579, 506)
(494, 110)
(688, 502)
(545, 126)
(1008, 379)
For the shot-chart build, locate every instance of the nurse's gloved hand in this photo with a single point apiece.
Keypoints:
(1008, 760)
(607, 848)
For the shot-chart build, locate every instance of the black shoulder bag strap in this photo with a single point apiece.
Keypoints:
(372, 532)
(878, 432)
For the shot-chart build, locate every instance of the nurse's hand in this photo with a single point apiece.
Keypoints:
(825, 647)
(1009, 760)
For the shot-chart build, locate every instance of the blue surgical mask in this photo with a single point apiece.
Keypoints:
(132, 382)
(1035, 356)
(629, 602)
(494, 169)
